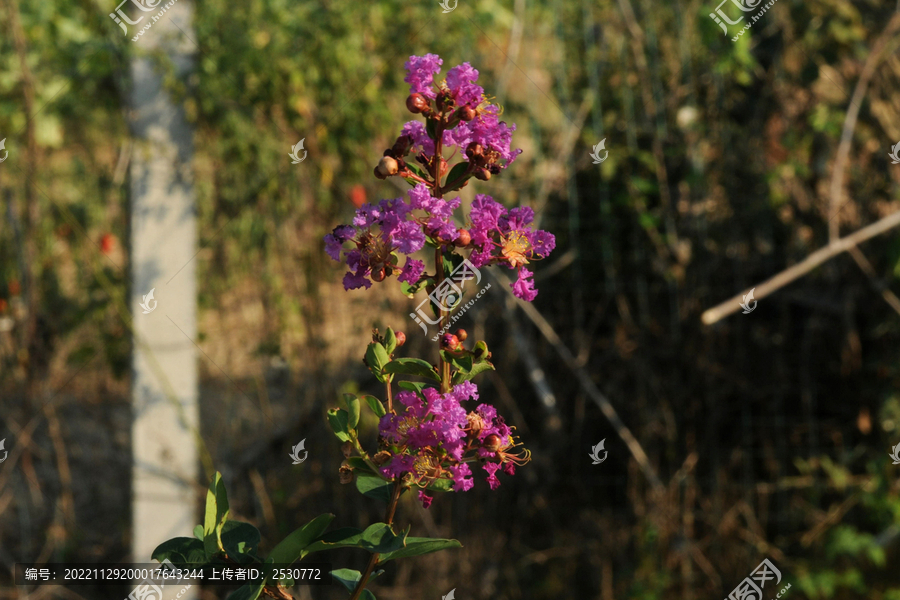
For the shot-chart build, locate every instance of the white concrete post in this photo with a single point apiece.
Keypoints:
(163, 244)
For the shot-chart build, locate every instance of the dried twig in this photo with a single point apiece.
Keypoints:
(586, 383)
(803, 267)
(843, 153)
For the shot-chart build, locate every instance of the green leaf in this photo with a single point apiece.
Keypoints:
(348, 577)
(413, 386)
(352, 410)
(183, 552)
(358, 463)
(462, 363)
(417, 547)
(198, 532)
(374, 487)
(376, 538)
(477, 368)
(441, 485)
(417, 169)
(376, 406)
(412, 366)
(455, 173)
(366, 595)
(431, 128)
(376, 358)
(240, 538)
(339, 419)
(251, 591)
(480, 351)
(294, 546)
(216, 513)
(390, 341)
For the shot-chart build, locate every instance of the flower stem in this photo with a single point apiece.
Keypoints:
(389, 519)
(390, 397)
(445, 317)
(438, 256)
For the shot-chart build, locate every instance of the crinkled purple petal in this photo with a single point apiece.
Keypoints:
(356, 280)
(461, 81)
(367, 215)
(421, 141)
(409, 237)
(543, 243)
(412, 271)
(524, 286)
(420, 72)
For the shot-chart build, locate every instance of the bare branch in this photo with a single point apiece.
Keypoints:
(802, 268)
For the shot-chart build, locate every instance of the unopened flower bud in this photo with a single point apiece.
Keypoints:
(482, 174)
(387, 166)
(474, 149)
(401, 146)
(466, 113)
(417, 103)
(444, 101)
(379, 175)
(347, 448)
(378, 274)
(461, 334)
(449, 341)
(381, 457)
(491, 443)
(464, 238)
(401, 338)
(475, 423)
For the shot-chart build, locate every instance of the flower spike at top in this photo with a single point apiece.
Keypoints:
(456, 109)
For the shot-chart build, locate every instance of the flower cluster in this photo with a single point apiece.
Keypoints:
(458, 114)
(475, 126)
(435, 438)
(380, 231)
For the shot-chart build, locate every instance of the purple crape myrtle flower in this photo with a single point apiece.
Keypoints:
(502, 236)
(420, 72)
(434, 437)
(463, 89)
(379, 233)
(481, 137)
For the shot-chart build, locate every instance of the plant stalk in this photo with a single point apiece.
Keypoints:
(389, 519)
(438, 256)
